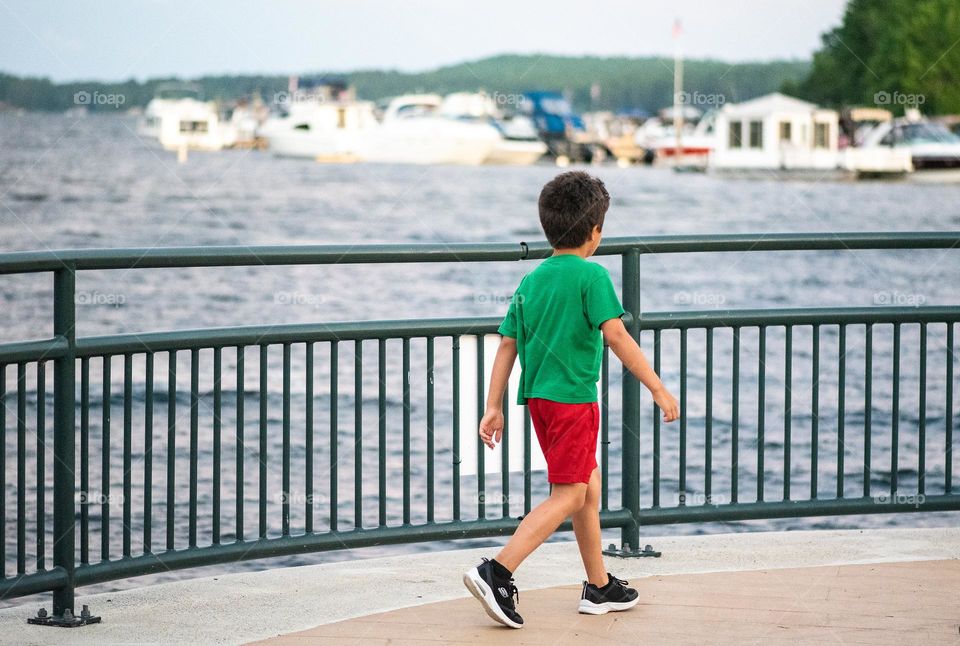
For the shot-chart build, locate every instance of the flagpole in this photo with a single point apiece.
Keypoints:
(677, 92)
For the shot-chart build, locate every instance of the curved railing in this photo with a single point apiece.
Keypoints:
(291, 467)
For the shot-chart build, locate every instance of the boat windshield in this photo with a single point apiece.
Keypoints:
(925, 133)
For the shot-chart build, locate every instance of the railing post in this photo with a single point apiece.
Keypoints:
(64, 453)
(630, 494)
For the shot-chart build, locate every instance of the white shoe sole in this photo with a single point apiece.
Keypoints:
(590, 608)
(479, 589)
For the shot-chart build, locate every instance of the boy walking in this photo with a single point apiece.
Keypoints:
(554, 324)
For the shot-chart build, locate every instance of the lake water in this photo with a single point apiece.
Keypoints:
(92, 182)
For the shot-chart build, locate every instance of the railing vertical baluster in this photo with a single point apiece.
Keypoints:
(406, 431)
(334, 441)
(171, 443)
(683, 417)
(787, 407)
(241, 446)
(285, 432)
(841, 406)
(382, 429)
(922, 424)
(264, 398)
(127, 451)
(194, 442)
(455, 425)
(335, 427)
(481, 468)
(308, 434)
(656, 422)
(761, 407)
(3, 471)
(357, 424)
(147, 456)
(604, 430)
(527, 493)
(105, 463)
(895, 415)
(430, 421)
(217, 410)
(815, 412)
(735, 419)
(867, 406)
(84, 461)
(505, 457)
(708, 424)
(21, 468)
(64, 440)
(630, 467)
(41, 464)
(948, 421)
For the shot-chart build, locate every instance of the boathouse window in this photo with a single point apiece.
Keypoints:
(785, 131)
(736, 134)
(756, 134)
(193, 126)
(820, 135)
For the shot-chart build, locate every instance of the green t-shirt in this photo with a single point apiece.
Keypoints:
(555, 316)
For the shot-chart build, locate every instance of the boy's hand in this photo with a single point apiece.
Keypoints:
(667, 403)
(491, 426)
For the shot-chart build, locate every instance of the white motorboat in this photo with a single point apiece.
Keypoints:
(658, 137)
(518, 145)
(933, 150)
(184, 123)
(320, 130)
(413, 131)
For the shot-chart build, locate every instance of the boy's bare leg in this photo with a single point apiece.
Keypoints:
(586, 526)
(543, 520)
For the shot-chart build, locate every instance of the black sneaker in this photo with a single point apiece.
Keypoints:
(612, 597)
(495, 593)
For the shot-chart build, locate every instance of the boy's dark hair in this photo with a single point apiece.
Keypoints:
(571, 204)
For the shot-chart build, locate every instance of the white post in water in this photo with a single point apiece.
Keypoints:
(182, 154)
(678, 103)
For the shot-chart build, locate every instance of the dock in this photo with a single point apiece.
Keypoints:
(821, 586)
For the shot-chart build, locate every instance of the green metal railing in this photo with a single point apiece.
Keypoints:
(407, 492)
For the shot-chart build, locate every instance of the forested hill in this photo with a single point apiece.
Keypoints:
(622, 82)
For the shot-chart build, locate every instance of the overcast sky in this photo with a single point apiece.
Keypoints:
(114, 40)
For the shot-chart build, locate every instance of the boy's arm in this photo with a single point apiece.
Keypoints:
(491, 426)
(630, 354)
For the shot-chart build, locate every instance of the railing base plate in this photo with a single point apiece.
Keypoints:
(626, 552)
(66, 620)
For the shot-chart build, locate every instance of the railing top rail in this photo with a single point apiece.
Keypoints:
(251, 335)
(231, 256)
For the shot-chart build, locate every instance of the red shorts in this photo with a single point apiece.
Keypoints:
(568, 438)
